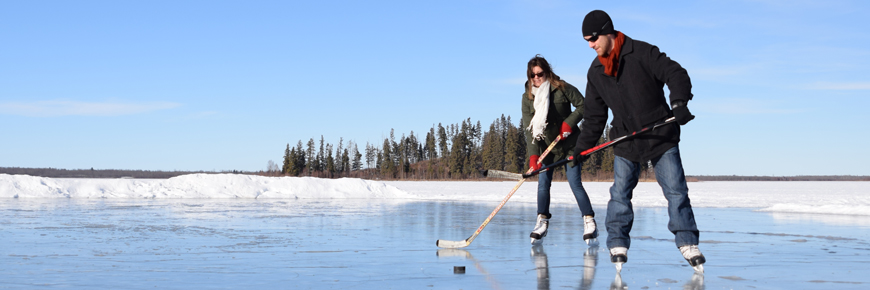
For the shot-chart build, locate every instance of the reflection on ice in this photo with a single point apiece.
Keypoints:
(448, 253)
(542, 267)
(695, 283)
(617, 283)
(590, 261)
(378, 244)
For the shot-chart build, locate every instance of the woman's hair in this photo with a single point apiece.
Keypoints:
(539, 60)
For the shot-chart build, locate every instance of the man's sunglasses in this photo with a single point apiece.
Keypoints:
(596, 34)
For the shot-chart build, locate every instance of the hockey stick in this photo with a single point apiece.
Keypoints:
(466, 242)
(599, 147)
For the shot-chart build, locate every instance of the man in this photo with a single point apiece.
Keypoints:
(627, 77)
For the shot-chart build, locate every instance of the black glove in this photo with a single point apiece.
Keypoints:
(578, 159)
(682, 114)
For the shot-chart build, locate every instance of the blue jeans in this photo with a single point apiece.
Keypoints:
(672, 179)
(545, 179)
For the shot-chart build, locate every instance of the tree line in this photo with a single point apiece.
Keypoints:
(454, 151)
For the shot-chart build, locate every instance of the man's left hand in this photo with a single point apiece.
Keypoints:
(682, 114)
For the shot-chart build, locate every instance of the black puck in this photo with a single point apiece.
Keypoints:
(458, 269)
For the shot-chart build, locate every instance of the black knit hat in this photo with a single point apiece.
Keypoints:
(597, 22)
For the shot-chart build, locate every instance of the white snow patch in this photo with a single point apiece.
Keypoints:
(197, 186)
(823, 197)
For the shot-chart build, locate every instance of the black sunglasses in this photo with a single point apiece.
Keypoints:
(596, 34)
(540, 75)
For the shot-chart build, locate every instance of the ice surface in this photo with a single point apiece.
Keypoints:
(242, 232)
(381, 244)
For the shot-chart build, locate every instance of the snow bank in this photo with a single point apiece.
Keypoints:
(197, 186)
(825, 197)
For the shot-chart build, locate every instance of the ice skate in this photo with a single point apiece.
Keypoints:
(540, 230)
(618, 256)
(590, 231)
(694, 257)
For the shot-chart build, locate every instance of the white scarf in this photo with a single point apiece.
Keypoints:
(542, 106)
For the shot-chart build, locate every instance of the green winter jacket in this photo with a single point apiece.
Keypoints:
(561, 102)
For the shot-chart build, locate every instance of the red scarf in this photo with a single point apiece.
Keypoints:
(611, 61)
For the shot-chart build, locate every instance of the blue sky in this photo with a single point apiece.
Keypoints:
(781, 87)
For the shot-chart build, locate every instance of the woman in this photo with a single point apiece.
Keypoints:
(547, 113)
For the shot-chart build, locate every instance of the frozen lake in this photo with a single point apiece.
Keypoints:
(389, 243)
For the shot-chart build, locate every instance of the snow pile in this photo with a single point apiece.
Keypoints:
(197, 186)
(826, 197)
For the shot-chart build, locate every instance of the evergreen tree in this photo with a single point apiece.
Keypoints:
(345, 161)
(493, 149)
(310, 156)
(442, 141)
(357, 159)
(339, 164)
(388, 167)
(287, 160)
(299, 157)
(515, 149)
(329, 163)
(291, 162)
(431, 152)
(414, 154)
(459, 152)
(370, 156)
(321, 156)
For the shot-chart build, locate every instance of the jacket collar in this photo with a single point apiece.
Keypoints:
(627, 48)
(552, 88)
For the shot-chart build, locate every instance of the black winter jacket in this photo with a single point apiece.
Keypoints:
(637, 99)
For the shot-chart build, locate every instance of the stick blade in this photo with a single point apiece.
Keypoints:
(451, 244)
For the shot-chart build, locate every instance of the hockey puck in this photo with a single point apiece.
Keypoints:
(458, 269)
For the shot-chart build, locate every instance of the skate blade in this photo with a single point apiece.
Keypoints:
(593, 242)
(699, 268)
(618, 267)
(537, 241)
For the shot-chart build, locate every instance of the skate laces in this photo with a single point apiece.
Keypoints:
(542, 224)
(589, 224)
(690, 251)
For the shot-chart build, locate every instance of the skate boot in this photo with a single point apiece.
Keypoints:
(540, 230)
(590, 231)
(618, 256)
(694, 257)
